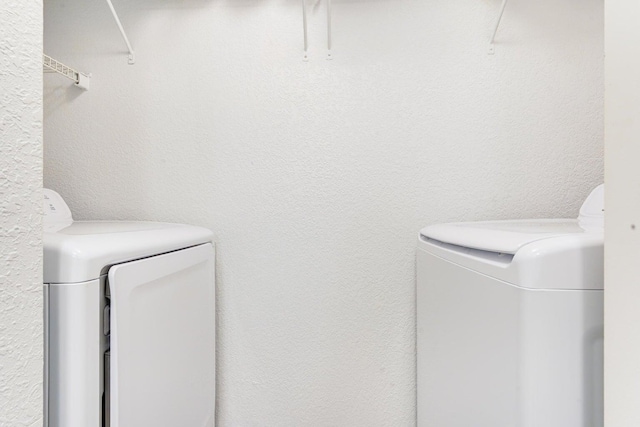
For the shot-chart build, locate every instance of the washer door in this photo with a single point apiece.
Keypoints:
(163, 340)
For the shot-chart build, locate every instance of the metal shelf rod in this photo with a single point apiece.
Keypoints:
(132, 54)
(305, 30)
(329, 40)
(495, 29)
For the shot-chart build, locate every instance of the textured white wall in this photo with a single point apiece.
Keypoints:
(316, 177)
(20, 213)
(622, 228)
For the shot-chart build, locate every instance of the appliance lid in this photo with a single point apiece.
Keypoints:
(508, 237)
(500, 236)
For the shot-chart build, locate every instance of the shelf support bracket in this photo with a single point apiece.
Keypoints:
(50, 65)
(132, 54)
(492, 49)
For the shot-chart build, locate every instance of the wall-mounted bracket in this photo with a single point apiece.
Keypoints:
(132, 54)
(305, 30)
(492, 49)
(50, 65)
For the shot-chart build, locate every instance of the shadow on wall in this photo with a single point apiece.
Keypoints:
(57, 92)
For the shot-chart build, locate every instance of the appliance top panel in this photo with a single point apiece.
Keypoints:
(83, 250)
(503, 236)
(77, 251)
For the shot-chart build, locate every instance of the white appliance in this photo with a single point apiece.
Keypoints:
(129, 322)
(510, 322)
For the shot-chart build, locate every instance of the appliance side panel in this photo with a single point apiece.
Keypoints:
(45, 294)
(562, 346)
(75, 354)
(214, 325)
(467, 348)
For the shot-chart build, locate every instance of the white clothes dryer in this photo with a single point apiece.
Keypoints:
(129, 322)
(510, 322)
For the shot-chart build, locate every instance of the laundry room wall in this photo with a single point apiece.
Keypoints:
(20, 213)
(317, 176)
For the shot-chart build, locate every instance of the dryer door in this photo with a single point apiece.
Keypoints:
(163, 340)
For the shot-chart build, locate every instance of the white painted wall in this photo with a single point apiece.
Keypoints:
(316, 177)
(20, 213)
(622, 270)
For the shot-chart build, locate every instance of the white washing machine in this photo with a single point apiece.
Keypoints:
(510, 322)
(129, 322)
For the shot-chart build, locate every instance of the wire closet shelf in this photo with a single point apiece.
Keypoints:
(51, 65)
